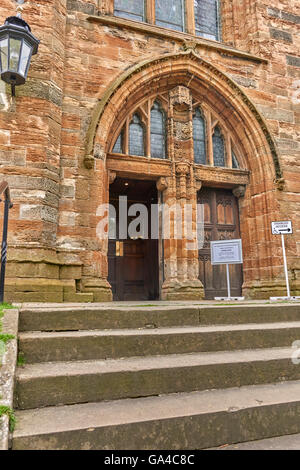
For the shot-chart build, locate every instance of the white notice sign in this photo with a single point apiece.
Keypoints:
(283, 228)
(226, 252)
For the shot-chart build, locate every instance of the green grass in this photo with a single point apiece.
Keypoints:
(4, 338)
(6, 410)
(21, 360)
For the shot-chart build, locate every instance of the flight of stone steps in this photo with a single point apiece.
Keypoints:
(156, 377)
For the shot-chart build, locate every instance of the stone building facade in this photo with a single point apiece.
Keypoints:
(227, 90)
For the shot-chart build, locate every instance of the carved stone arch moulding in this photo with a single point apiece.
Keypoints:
(210, 85)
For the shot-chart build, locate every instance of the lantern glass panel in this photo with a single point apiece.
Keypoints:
(26, 52)
(4, 54)
(14, 53)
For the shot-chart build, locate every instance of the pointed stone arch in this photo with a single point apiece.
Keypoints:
(191, 70)
(258, 206)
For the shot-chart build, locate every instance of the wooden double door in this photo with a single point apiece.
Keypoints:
(219, 209)
(133, 271)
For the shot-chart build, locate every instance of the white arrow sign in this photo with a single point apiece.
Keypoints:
(282, 228)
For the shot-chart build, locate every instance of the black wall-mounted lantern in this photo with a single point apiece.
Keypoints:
(17, 46)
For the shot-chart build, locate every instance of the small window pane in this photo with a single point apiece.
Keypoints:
(158, 132)
(132, 9)
(235, 163)
(118, 147)
(26, 50)
(199, 138)
(219, 147)
(14, 52)
(4, 53)
(207, 18)
(136, 137)
(170, 14)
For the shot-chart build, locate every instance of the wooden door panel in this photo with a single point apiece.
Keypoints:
(133, 270)
(221, 222)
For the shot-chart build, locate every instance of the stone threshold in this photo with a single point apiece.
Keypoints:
(149, 303)
(190, 40)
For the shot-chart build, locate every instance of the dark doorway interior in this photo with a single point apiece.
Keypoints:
(221, 222)
(133, 265)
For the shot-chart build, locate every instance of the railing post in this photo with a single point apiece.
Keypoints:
(7, 206)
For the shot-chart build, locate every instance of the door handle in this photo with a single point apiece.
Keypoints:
(119, 249)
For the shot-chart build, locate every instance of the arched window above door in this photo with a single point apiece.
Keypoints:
(158, 131)
(218, 147)
(136, 137)
(144, 133)
(199, 137)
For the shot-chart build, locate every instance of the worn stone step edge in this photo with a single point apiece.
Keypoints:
(43, 319)
(48, 384)
(179, 421)
(101, 344)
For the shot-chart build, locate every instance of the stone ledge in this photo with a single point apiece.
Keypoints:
(7, 372)
(175, 36)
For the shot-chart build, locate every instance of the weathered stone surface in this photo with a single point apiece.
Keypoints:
(90, 74)
(7, 372)
(53, 384)
(177, 423)
(88, 345)
(130, 375)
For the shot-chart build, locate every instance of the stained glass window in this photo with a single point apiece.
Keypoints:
(136, 137)
(132, 9)
(118, 147)
(199, 138)
(207, 20)
(218, 147)
(158, 132)
(235, 163)
(170, 14)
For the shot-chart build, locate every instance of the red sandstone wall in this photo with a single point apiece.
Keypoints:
(43, 132)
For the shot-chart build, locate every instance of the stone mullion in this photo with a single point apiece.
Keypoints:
(148, 130)
(210, 152)
(150, 11)
(190, 16)
(126, 137)
(228, 158)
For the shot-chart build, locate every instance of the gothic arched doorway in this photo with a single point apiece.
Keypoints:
(214, 138)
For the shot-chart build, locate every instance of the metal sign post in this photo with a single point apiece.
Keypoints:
(7, 205)
(284, 228)
(227, 252)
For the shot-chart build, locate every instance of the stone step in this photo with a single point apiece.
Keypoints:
(287, 442)
(101, 318)
(181, 421)
(87, 345)
(61, 383)
(93, 317)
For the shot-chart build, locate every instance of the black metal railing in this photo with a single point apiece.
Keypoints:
(4, 190)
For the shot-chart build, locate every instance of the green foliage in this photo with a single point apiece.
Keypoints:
(6, 337)
(6, 410)
(21, 360)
